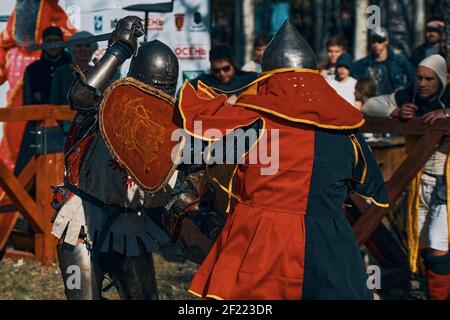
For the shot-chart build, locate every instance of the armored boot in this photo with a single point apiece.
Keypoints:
(135, 277)
(82, 278)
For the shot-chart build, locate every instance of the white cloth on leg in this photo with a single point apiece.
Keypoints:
(433, 225)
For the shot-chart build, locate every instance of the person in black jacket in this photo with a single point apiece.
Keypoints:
(37, 83)
(389, 70)
(39, 75)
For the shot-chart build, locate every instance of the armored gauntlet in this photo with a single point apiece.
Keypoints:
(87, 90)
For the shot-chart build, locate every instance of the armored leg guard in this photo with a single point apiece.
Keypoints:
(135, 277)
(82, 278)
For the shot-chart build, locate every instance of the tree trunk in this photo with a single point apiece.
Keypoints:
(419, 22)
(327, 29)
(446, 12)
(239, 32)
(337, 17)
(248, 11)
(398, 25)
(266, 17)
(360, 50)
(318, 24)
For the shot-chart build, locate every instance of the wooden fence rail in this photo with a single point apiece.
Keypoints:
(47, 169)
(416, 159)
(42, 171)
(367, 220)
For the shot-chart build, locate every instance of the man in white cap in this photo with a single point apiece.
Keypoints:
(428, 219)
(389, 70)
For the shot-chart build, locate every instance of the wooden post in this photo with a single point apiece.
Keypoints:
(49, 171)
(16, 192)
(6, 226)
(386, 248)
(428, 144)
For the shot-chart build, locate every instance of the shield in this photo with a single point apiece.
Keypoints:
(137, 122)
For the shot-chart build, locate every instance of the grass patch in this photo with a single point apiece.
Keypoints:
(29, 280)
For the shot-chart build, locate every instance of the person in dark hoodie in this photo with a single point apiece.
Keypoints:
(343, 82)
(428, 219)
(390, 71)
(225, 76)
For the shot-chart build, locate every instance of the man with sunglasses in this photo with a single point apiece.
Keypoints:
(389, 70)
(225, 77)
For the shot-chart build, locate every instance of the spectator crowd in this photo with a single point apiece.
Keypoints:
(382, 84)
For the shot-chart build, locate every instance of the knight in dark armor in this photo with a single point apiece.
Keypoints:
(102, 220)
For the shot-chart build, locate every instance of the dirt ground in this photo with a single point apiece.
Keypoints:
(28, 280)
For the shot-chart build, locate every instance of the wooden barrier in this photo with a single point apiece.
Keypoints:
(368, 220)
(47, 169)
(416, 159)
(44, 170)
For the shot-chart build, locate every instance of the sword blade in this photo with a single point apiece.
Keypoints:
(69, 43)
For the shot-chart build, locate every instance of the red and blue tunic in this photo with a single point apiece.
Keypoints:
(287, 238)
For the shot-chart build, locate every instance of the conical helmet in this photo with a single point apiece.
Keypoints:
(288, 49)
(155, 64)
